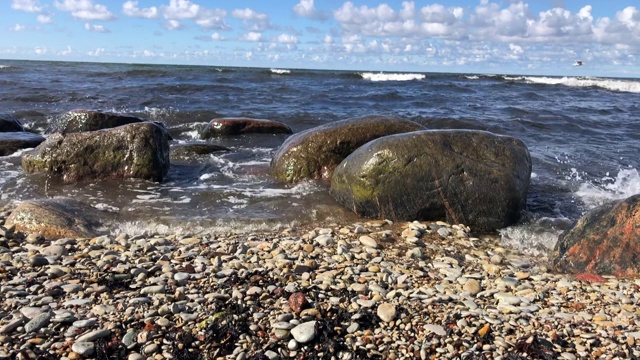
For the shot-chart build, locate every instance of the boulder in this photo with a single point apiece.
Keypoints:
(605, 241)
(466, 177)
(314, 153)
(9, 124)
(239, 126)
(138, 150)
(185, 151)
(55, 218)
(88, 120)
(11, 142)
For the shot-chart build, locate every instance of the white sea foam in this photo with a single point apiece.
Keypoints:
(625, 184)
(280, 71)
(472, 77)
(5, 66)
(134, 228)
(391, 76)
(536, 238)
(603, 83)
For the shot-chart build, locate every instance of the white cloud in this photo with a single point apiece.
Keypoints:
(17, 27)
(97, 52)
(328, 39)
(95, 28)
(130, 8)
(32, 6)
(306, 8)
(254, 21)
(85, 10)
(40, 50)
(251, 36)
(172, 25)
(217, 37)
(287, 39)
(66, 52)
(44, 19)
(181, 9)
(212, 19)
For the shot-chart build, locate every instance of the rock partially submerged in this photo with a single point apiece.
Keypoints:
(239, 126)
(138, 150)
(9, 124)
(604, 241)
(88, 120)
(55, 218)
(471, 177)
(11, 142)
(314, 153)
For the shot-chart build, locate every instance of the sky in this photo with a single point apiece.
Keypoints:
(469, 36)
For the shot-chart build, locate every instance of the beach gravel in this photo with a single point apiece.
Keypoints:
(369, 290)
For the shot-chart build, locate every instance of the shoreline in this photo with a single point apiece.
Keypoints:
(345, 291)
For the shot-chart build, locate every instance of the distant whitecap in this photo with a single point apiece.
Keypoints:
(391, 76)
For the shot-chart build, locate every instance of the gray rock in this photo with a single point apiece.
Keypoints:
(38, 322)
(304, 332)
(83, 348)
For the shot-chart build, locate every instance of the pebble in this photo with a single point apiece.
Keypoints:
(386, 312)
(304, 332)
(436, 291)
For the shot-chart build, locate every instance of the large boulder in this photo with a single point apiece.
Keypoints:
(239, 126)
(315, 153)
(88, 120)
(605, 241)
(9, 124)
(462, 176)
(138, 150)
(11, 142)
(55, 218)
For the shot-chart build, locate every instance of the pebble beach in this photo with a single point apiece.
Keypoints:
(369, 290)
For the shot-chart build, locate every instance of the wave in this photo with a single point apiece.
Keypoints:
(5, 66)
(391, 76)
(603, 83)
(280, 71)
(625, 184)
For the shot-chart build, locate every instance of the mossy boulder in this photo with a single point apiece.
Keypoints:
(89, 120)
(466, 177)
(139, 150)
(605, 241)
(11, 142)
(314, 153)
(239, 126)
(56, 218)
(9, 124)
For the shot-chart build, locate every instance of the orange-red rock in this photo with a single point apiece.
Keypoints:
(605, 241)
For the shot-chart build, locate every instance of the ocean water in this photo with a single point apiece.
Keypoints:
(583, 135)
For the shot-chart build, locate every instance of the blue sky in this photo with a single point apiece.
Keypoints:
(480, 36)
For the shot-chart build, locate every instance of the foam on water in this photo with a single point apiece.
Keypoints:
(608, 84)
(625, 184)
(5, 66)
(391, 76)
(134, 228)
(280, 71)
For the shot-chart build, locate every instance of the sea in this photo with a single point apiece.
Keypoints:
(583, 134)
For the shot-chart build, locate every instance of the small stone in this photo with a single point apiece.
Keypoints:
(472, 286)
(304, 332)
(386, 312)
(368, 241)
(37, 322)
(83, 348)
(297, 302)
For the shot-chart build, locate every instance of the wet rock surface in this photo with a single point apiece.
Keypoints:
(461, 176)
(138, 150)
(315, 153)
(239, 126)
